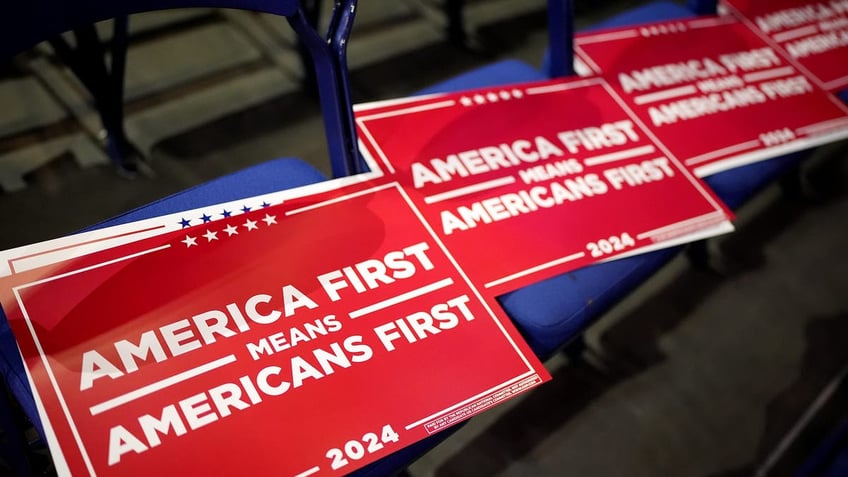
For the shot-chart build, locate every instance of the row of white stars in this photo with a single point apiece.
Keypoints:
(656, 30)
(491, 97)
(211, 236)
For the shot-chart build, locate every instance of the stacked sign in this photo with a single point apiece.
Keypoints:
(559, 174)
(714, 92)
(812, 33)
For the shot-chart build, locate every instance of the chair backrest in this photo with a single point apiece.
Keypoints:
(561, 37)
(27, 22)
(703, 7)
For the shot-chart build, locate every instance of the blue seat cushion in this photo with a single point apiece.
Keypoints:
(263, 178)
(735, 186)
(552, 312)
(495, 74)
(267, 177)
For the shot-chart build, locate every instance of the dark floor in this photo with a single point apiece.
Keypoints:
(699, 373)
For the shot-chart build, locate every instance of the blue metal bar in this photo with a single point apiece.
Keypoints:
(338, 34)
(703, 7)
(561, 37)
(328, 57)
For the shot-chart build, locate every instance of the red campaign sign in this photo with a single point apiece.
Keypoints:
(714, 92)
(528, 181)
(812, 33)
(244, 344)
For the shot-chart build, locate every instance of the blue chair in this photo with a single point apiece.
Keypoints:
(23, 24)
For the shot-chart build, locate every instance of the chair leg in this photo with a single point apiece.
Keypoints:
(698, 254)
(105, 85)
(457, 30)
(120, 147)
(792, 184)
(456, 22)
(575, 348)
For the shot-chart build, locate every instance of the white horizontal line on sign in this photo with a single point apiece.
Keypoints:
(823, 126)
(721, 152)
(619, 35)
(535, 269)
(414, 109)
(338, 199)
(617, 156)
(796, 33)
(469, 189)
(562, 87)
(835, 84)
(307, 473)
(400, 298)
(768, 74)
(708, 22)
(681, 225)
(81, 249)
(665, 94)
(94, 267)
(160, 385)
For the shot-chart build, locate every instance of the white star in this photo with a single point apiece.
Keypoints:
(190, 241)
(492, 97)
(270, 219)
(251, 225)
(231, 230)
(210, 235)
(479, 99)
(466, 101)
(505, 95)
(517, 93)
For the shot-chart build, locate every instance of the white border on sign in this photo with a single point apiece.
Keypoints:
(799, 144)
